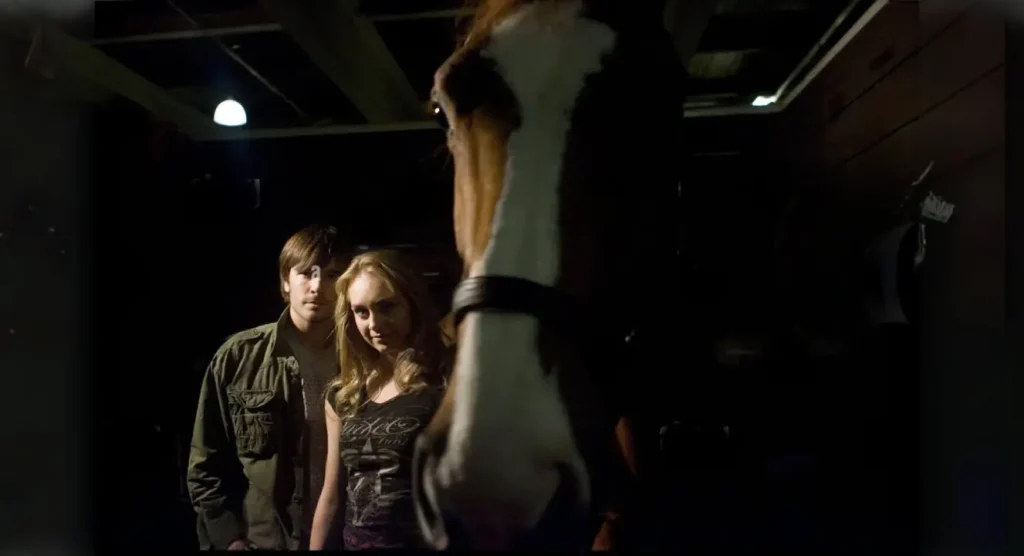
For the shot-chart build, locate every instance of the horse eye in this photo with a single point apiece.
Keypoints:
(439, 116)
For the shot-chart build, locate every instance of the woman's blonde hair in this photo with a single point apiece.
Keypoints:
(425, 359)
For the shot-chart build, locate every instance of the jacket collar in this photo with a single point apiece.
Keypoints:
(282, 328)
(278, 347)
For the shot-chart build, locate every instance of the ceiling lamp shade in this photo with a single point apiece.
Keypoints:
(229, 113)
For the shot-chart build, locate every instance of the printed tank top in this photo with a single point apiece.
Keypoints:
(377, 448)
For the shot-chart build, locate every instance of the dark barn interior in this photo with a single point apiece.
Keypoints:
(805, 418)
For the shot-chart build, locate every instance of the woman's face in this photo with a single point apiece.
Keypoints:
(380, 313)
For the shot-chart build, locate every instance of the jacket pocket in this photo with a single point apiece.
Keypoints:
(254, 420)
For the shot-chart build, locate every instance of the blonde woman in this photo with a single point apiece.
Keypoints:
(393, 367)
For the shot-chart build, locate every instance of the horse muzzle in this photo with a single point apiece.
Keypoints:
(564, 525)
(431, 513)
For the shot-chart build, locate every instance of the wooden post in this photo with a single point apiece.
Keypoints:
(1014, 205)
(970, 304)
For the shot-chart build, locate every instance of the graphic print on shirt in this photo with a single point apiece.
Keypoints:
(377, 447)
(367, 494)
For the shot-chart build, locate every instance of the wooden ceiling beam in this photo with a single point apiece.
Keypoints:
(72, 55)
(115, 24)
(350, 52)
(127, 28)
(252, 134)
(685, 21)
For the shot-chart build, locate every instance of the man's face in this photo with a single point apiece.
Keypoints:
(311, 293)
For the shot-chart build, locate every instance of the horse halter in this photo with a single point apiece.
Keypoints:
(550, 304)
(560, 523)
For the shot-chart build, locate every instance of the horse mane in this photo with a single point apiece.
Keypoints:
(487, 13)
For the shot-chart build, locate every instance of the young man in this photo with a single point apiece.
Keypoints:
(256, 463)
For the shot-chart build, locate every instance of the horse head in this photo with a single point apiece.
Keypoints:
(562, 118)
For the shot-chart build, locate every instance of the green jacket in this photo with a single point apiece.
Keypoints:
(246, 464)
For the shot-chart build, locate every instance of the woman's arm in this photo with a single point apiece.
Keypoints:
(331, 497)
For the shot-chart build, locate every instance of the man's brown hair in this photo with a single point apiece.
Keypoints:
(313, 245)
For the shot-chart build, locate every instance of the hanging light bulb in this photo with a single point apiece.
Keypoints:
(229, 113)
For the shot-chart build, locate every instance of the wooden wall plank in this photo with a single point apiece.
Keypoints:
(945, 102)
(965, 263)
(1014, 215)
(842, 208)
(895, 33)
(926, 79)
(871, 185)
(860, 198)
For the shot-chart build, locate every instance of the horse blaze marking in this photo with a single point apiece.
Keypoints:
(543, 53)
